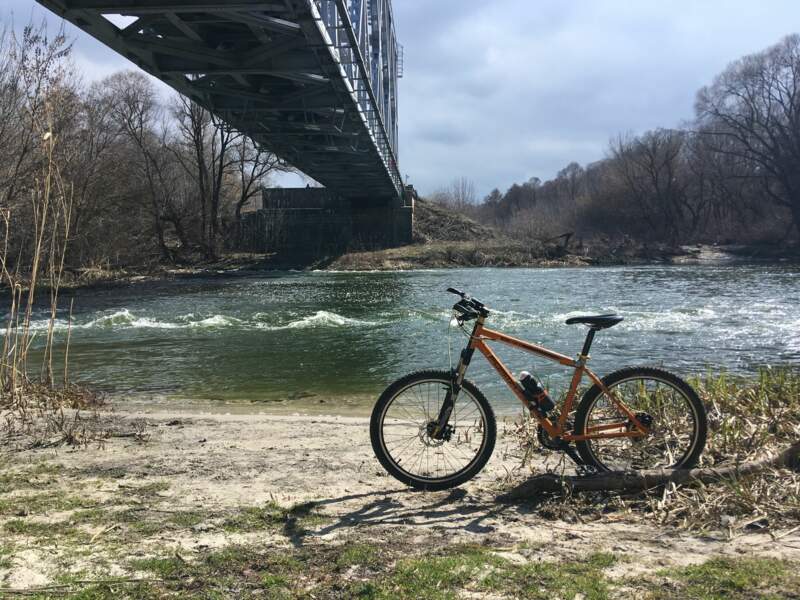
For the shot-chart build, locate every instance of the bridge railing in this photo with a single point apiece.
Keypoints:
(361, 36)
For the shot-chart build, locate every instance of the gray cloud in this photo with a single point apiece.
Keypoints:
(503, 90)
(531, 86)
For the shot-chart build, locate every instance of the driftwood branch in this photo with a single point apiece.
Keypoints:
(637, 481)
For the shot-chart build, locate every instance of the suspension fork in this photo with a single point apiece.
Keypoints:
(457, 379)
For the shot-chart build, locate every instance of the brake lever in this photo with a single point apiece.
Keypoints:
(469, 302)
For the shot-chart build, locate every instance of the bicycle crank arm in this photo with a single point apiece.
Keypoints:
(569, 450)
(573, 454)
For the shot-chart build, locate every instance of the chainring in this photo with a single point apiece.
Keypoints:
(548, 442)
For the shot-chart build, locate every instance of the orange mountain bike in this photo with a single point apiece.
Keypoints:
(435, 430)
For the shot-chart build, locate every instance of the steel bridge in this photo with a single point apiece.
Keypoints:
(314, 81)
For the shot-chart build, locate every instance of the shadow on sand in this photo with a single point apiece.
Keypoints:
(453, 511)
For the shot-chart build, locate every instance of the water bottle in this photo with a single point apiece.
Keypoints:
(535, 393)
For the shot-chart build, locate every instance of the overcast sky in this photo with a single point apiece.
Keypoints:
(503, 90)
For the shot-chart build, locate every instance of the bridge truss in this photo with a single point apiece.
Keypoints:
(314, 81)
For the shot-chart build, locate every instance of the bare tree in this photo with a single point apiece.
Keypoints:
(654, 173)
(11, 113)
(462, 192)
(37, 96)
(36, 67)
(459, 195)
(570, 179)
(91, 166)
(139, 114)
(254, 164)
(752, 111)
(205, 153)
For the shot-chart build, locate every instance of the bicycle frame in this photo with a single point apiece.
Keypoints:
(477, 341)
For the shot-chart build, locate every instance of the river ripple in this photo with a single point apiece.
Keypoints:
(309, 337)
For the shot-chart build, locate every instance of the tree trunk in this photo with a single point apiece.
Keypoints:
(795, 201)
(158, 228)
(638, 481)
(213, 234)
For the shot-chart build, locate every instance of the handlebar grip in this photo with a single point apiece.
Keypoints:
(467, 312)
(456, 292)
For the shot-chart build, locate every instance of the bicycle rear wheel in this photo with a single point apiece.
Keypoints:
(676, 417)
(401, 425)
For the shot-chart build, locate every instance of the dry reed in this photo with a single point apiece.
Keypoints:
(40, 410)
(748, 418)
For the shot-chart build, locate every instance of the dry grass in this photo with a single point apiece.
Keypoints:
(36, 402)
(436, 223)
(444, 237)
(448, 254)
(51, 416)
(748, 418)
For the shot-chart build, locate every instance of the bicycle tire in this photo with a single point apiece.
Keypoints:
(700, 430)
(451, 480)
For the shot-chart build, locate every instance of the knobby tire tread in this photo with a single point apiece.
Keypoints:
(464, 475)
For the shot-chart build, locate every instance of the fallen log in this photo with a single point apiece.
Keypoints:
(639, 481)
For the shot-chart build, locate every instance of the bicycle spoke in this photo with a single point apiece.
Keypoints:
(669, 438)
(407, 425)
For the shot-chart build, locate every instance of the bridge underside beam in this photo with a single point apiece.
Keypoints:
(269, 69)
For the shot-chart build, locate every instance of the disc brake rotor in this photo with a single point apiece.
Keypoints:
(426, 434)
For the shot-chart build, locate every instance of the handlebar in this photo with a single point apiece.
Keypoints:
(456, 292)
(469, 307)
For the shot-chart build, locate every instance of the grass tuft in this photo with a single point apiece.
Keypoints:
(255, 518)
(362, 555)
(292, 521)
(23, 505)
(541, 580)
(6, 556)
(730, 579)
(164, 568)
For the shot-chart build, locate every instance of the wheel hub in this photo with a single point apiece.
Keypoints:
(427, 433)
(645, 419)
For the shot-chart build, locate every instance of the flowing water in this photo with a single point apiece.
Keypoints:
(304, 339)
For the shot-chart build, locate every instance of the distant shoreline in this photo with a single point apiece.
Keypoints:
(443, 255)
(434, 255)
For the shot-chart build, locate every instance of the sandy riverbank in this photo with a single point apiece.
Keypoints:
(175, 488)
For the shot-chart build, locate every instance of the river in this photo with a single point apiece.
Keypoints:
(323, 340)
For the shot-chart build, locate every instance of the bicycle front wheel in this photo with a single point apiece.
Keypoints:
(401, 426)
(664, 402)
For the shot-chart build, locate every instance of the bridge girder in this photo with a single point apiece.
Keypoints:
(314, 81)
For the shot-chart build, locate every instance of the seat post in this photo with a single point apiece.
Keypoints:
(587, 345)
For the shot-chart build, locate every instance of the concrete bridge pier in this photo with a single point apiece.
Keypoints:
(310, 222)
(381, 226)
